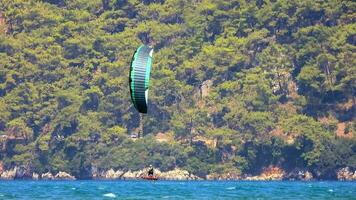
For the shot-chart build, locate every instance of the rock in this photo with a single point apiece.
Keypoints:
(225, 176)
(138, 174)
(345, 174)
(9, 174)
(205, 88)
(47, 176)
(35, 176)
(63, 176)
(118, 174)
(96, 173)
(20, 172)
(133, 174)
(212, 177)
(178, 174)
(298, 174)
(308, 176)
(1, 168)
(111, 174)
(23, 172)
(129, 175)
(270, 173)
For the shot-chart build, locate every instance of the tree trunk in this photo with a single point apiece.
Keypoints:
(190, 131)
(328, 74)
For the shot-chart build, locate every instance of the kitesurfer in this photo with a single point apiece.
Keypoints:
(150, 171)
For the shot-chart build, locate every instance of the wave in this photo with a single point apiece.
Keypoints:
(111, 195)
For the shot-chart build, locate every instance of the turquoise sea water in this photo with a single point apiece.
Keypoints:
(71, 190)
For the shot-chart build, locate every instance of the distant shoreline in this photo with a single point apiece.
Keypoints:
(270, 174)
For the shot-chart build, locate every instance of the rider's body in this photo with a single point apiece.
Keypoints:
(150, 171)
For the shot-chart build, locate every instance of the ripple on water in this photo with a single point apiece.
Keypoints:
(110, 195)
(222, 190)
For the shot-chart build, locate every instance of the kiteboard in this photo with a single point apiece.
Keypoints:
(150, 178)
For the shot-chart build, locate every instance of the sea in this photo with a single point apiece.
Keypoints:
(72, 190)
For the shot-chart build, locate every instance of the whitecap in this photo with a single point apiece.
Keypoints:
(73, 188)
(231, 188)
(111, 195)
(330, 190)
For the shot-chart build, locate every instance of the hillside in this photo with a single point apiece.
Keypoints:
(237, 86)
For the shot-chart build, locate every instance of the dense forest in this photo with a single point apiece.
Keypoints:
(236, 86)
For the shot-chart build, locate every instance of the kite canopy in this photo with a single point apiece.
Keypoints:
(140, 76)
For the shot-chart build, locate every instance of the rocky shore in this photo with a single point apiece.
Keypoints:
(270, 173)
(345, 174)
(176, 174)
(18, 173)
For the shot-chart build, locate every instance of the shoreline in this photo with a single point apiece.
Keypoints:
(177, 174)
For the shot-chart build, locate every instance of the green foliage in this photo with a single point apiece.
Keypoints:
(337, 153)
(309, 136)
(241, 85)
(196, 166)
(136, 155)
(114, 134)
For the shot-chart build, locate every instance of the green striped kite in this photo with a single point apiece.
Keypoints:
(140, 76)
